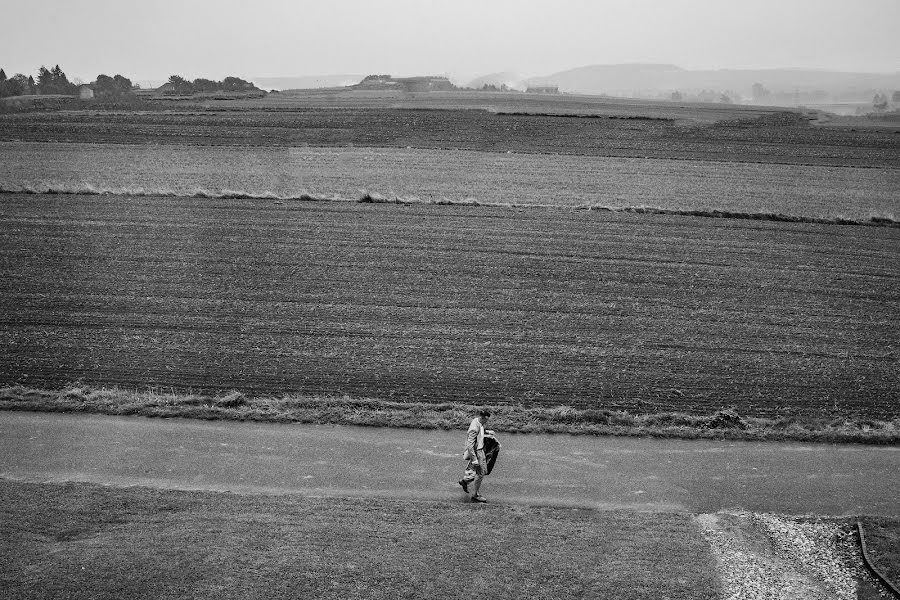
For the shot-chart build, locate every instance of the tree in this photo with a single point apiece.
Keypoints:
(2, 75)
(62, 83)
(707, 96)
(181, 85)
(58, 75)
(759, 91)
(111, 86)
(44, 80)
(236, 84)
(17, 85)
(123, 84)
(104, 86)
(895, 97)
(879, 102)
(206, 85)
(54, 82)
(676, 96)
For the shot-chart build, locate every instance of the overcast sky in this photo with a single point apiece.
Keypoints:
(152, 39)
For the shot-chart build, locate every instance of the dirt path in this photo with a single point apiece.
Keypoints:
(598, 472)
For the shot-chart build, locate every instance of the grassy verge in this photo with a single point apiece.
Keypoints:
(883, 543)
(724, 424)
(88, 541)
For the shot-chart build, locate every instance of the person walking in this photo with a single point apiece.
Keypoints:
(477, 467)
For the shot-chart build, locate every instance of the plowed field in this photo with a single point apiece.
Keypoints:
(433, 175)
(783, 139)
(438, 303)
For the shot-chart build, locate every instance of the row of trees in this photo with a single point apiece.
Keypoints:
(49, 81)
(17, 85)
(55, 81)
(726, 97)
(180, 85)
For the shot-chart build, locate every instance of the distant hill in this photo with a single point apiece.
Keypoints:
(600, 79)
(306, 82)
(508, 78)
(658, 79)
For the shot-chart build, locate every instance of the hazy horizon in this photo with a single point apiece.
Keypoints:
(278, 38)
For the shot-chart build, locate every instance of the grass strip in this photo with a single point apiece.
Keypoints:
(882, 536)
(88, 541)
(723, 424)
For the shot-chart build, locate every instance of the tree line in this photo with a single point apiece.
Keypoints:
(55, 81)
(180, 85)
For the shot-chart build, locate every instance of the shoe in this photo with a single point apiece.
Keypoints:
(478, 498)
(465, 486)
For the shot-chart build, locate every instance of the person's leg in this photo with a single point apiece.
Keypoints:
(476, 483)
(480, 470)
(468, 477)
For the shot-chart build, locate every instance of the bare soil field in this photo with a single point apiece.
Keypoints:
(451, 304)
(248, 288)
(780, 138)
(458, 176)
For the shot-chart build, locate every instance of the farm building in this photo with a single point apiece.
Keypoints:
(543, 89)
(406, 84)
(85, 92)
(166, 88)
(377, 82)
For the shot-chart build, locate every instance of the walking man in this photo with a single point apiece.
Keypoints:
(477, 466)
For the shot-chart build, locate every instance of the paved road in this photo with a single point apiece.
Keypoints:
(556, 470)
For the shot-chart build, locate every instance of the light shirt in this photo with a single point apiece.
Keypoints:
(474, 437)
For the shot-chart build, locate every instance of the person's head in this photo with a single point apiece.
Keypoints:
(484, 415)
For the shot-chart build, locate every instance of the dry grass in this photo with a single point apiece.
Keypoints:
(723, 424)
(87, 541)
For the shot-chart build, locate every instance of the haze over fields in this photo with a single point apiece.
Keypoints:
(463, 40)
(784, 87)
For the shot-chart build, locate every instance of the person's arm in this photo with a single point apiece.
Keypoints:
(471, 440)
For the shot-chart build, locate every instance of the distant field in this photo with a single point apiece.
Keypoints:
(560, 104)
(464, 304)
(433, 175)
(644, 131)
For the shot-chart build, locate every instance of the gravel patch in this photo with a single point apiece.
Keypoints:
(766, 556)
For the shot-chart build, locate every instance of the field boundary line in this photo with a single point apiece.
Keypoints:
(370, 412)
(376, 198)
